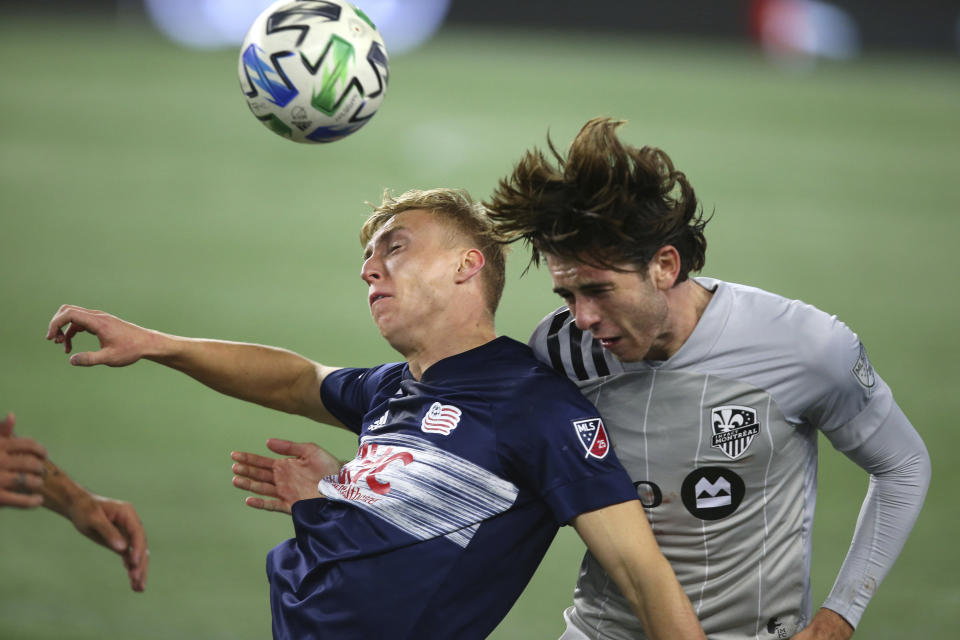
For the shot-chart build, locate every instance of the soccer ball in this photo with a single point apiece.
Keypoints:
(312, 70)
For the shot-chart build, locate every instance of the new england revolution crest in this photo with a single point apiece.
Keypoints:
(593, 437)
(734, 428)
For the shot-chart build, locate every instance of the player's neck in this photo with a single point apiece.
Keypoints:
(687, 301)
(419, 360)
(459, 329)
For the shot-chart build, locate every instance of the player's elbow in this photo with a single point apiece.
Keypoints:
(912, 473)
(921, 469)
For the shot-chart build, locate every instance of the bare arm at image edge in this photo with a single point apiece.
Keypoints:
(620, 538)
(275, 378)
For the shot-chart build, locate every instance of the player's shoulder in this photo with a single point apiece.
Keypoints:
(787, 321)
(786, 328)
(528, 381)
(522, 370)
(570, 351)
(369, 378)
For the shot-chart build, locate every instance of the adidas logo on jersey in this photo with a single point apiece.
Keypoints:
(379, 422)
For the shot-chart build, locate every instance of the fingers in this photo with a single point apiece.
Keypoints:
(116, 525)
(119, 341)
(78, 318)
(21, 482)
(252, 459)
(89, 358)
(263, 488)
(27, 453)
(21, 468)
(67, 339)
(136, 558)
(254, 473)
(103, 530)
(138, 576)
(6, 426)
(287, 448)
(267, 505)
(19, 500)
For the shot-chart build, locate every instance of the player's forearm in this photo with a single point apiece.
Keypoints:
(269, 376)
(899, 465)
(660, 603)
(619, 537)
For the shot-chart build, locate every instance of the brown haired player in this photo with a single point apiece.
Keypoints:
(714, 394)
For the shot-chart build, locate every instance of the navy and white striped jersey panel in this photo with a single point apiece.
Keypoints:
(569, 350)
(419, 488)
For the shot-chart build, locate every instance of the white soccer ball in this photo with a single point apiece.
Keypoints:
(313, 70)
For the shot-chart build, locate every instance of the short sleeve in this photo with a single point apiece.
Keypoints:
(556, 443)
(349, 393)
(854, 400)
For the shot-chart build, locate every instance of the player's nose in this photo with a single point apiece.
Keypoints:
(371, 271)
(585, 316)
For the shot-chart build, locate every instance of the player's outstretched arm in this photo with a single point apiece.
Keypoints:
(620, 538)
(113, 524)
(282, 481)
(21, 468)
(272, 377)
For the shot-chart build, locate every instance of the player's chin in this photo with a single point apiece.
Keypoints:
(622, 349)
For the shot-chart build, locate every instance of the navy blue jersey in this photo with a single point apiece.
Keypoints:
(459, 486)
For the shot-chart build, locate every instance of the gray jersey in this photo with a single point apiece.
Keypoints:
(721, 442)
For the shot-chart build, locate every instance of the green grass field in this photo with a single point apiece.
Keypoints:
(133, 179)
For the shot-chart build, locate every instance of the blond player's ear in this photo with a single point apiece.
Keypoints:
(471, 262)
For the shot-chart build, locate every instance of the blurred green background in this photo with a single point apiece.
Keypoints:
(134, 180)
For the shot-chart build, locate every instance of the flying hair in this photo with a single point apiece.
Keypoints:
(604, 203)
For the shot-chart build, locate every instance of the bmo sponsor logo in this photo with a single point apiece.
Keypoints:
(712, 493)
(371, 471)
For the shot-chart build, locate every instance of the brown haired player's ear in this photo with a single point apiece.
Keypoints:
(664, 267)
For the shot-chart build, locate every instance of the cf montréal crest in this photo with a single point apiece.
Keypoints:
(734, 428)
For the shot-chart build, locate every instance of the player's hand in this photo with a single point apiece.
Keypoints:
(21, 468)
(282, 480)
(121, 342)
(115, 525)
(826, 625)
